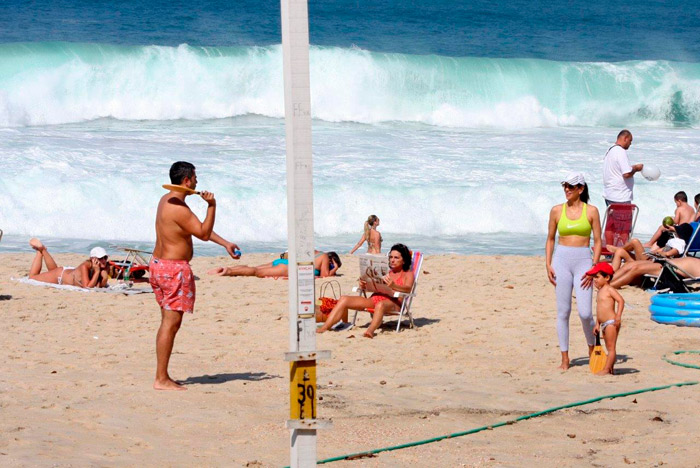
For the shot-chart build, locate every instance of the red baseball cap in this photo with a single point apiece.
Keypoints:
(602, 267)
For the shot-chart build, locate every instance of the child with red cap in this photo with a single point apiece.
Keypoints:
(608, 320)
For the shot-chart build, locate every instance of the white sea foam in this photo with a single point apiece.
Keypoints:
(102, 180)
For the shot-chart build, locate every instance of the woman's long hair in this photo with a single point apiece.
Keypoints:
(369, 223)
(584, 195)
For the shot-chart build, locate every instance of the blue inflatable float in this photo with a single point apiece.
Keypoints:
(682, 310)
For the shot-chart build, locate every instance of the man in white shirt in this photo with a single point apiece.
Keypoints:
(618, 174)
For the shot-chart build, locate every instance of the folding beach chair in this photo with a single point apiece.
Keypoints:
(618, 225)
(134, 266)
(416, 264)
(671, 279)
(693, 247)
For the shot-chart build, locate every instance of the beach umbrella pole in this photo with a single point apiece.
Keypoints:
(302, 355)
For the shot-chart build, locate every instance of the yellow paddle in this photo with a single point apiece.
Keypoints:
(598, 357)
(180, 188)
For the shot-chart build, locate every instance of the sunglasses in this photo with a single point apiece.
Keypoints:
(569, 186)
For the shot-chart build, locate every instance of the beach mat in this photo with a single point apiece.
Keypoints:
(114, 289)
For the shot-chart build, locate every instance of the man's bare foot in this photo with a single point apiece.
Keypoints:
(564, 365)
(368, 334)
(221, 271)
(605, 372)
(169, 384)
(36, 244)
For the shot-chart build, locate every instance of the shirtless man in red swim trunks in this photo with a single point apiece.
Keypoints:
(170, 274)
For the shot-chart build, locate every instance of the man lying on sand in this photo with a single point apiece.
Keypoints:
(325, 264)
(91, 273)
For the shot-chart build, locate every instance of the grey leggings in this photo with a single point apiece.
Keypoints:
(570, 264)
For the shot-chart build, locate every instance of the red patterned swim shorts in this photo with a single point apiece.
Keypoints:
(173, 284)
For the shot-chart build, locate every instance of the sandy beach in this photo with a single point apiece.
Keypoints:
(75, 386)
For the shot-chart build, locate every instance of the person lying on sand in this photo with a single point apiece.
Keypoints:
(325, 264)
(400, 278)
(89, 274)
(634, 271)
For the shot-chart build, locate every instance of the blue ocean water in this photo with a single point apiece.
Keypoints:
(452, 121)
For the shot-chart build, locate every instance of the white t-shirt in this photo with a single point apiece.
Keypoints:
(676, 243)
(616, 187)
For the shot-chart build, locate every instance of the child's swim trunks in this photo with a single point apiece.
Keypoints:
(173, 284)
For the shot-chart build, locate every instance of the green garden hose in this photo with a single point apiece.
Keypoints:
(682, 364)
(369, 453)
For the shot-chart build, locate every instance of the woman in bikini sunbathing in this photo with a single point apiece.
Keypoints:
(400, 278)
(371, 236)
(89, 274)
(325, 264)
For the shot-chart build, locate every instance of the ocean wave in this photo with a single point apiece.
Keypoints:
(55, 83)
(124, 209)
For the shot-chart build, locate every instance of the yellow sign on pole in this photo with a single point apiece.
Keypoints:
(302, 390)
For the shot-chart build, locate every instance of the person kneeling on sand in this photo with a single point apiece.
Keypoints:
(608, 319)
(400, 278)
(91, 273)
(325, 264)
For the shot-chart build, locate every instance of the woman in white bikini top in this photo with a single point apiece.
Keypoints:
(94, 269)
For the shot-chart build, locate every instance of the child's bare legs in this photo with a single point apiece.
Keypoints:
(379, 310)
(610, 336)
(341, 310)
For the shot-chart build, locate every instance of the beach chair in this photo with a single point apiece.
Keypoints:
(618, 225)
(416, 264)
(671, 279)
(693, 247)
(134, 266)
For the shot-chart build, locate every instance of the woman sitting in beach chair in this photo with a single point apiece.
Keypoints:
(325, 264)
(91, 273)
(400, 278)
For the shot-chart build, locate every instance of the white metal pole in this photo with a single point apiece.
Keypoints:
(302, 323)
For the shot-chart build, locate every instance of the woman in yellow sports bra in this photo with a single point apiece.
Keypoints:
(574, 221)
